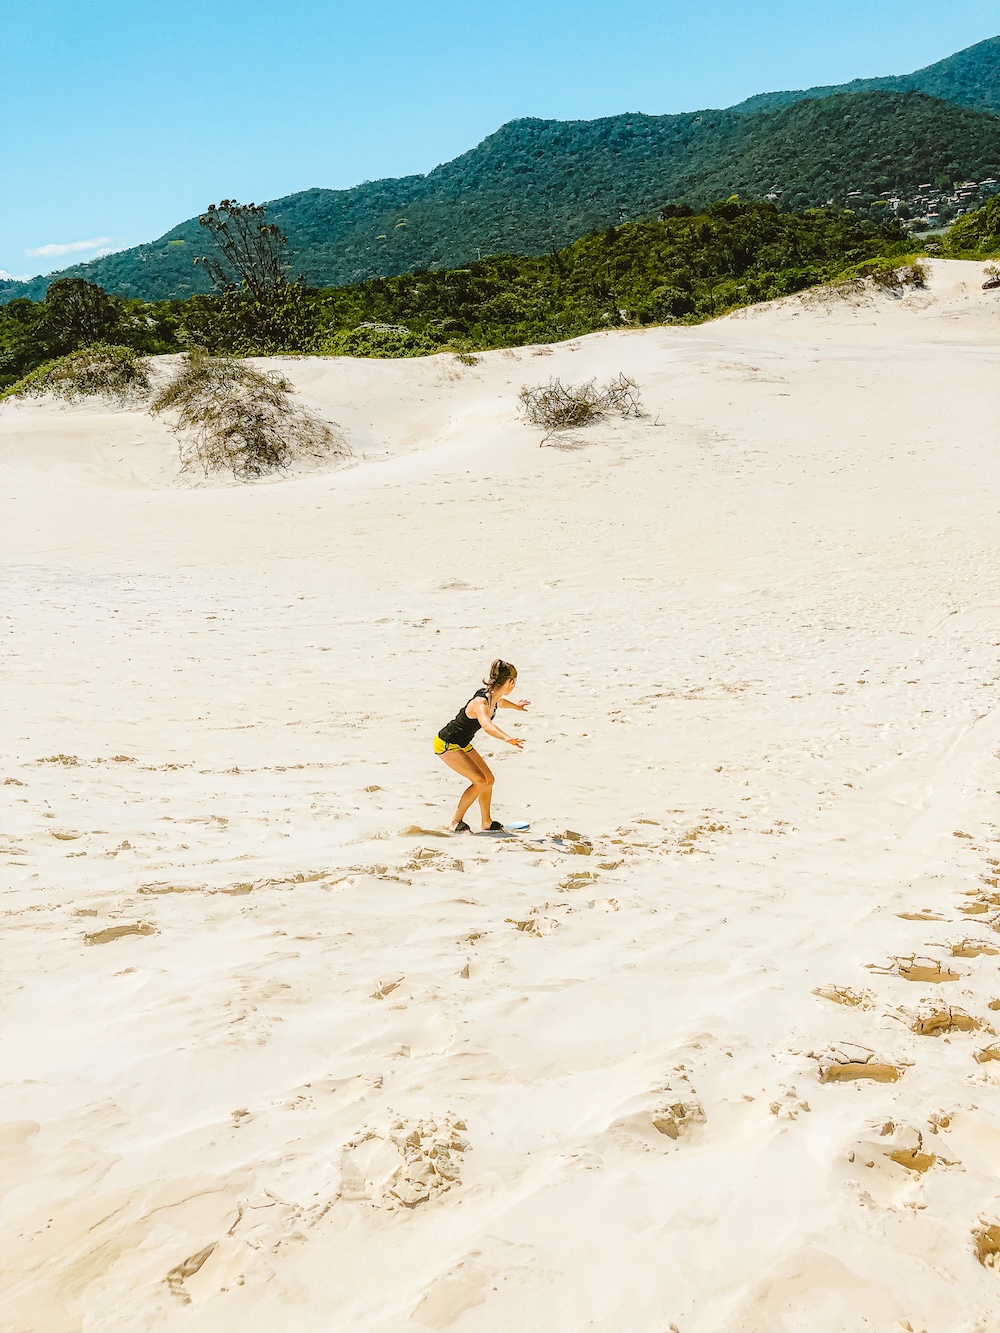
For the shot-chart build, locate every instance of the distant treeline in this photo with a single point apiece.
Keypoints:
(680, 268)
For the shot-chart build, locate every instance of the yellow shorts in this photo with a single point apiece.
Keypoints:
(441, 746)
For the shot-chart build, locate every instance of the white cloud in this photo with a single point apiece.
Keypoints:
(14, 277)
(71, 247)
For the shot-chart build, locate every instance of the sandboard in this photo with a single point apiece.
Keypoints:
(508, 830)
(515, 826)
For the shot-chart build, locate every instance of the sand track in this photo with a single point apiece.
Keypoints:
(712, 1046)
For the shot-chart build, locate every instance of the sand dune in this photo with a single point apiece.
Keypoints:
(713, 1046)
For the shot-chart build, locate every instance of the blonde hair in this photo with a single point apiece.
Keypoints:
(500, 673)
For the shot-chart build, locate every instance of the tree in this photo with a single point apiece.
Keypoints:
(257, 310)
(252, 251)
(75, 313)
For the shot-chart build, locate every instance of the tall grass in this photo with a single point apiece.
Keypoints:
(232, 417)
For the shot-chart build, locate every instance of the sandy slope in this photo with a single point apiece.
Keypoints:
(279, 1056)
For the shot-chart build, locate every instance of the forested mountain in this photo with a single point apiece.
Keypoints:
(968, 78)
(537, 185)
(818, 152)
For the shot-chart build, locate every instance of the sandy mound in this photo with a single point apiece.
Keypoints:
(713, 1045)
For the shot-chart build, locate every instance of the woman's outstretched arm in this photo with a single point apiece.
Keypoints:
(482, 714)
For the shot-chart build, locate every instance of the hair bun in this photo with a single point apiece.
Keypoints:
(500, 673)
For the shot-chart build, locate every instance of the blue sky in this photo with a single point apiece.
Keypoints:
(123, 117)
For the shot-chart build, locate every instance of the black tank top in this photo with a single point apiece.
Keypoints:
(461, 729)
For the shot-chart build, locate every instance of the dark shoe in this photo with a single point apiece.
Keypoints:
(495, 828)
(461, 827)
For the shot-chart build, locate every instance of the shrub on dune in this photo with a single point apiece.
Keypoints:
(380, 340)
(235, 418)
(884, 275)
(118, 374)
(559, 407)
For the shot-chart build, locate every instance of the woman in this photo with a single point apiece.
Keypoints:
(454, 743)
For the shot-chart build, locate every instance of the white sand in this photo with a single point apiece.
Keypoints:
(759, 629)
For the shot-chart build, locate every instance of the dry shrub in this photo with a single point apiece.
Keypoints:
(240, 419)
(622, 396)
(118, 374)
(558, 407)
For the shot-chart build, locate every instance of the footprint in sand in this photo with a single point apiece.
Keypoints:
(675, 1119)
(672, 1112)
(410, 1163)
(915, 968)
(429, 858)
(386, 985)
(788, 1105)
(577, 879)
(986, 1239)
(937, 1022)
(889, 1167)
(110, 933)
(972, 948)
(847, 1063)
(176, 1277)
(531, 925)
(981, 904)
(855, 999)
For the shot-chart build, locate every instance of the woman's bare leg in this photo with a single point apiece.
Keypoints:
(462, 762)
(486, 794)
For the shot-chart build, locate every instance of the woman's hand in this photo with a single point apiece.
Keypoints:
(517, 743)
(522, 704)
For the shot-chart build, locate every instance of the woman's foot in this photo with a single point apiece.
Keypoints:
(460, 827)
(495, 828)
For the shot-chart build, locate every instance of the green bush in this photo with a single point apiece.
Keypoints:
(243, 323)
(378, 340)
(887, 275)
(76, 314)
(664, 304)
(119, 374)
(977, 235)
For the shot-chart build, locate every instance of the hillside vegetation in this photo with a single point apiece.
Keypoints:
(679, 269)
(977, 235)
(536, 185)
(684, 267)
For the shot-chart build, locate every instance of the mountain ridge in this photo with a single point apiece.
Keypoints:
(535, 185)
(947, 79)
